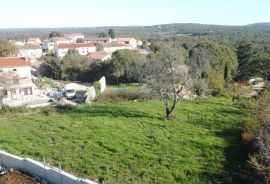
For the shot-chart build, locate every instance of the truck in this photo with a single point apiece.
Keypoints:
(70, 91)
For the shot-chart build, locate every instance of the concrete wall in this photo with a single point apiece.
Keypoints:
(50, 174)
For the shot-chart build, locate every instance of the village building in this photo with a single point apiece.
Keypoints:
(48, 46)
(16, 84)
(98, 56)
(101, 40)
(83, 48)
(34, 41)
(127, 41)
(61, 40)
(30, 51)
(112, 47)
(74, 36)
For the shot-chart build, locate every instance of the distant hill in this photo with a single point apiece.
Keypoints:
(193, 29)
(263, 25)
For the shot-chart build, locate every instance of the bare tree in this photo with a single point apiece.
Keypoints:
(166, 74)
(199, 62)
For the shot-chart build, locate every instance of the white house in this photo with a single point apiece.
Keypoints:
(112, 47)
(48, 45)
(74, 36)
(34, 41)
(21, 66)
(61, 40)
(30, 51)
(101, 40)
(127, 41)
(83, 48)
(15, 81)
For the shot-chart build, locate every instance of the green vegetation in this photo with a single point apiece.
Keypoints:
(7, 48)
(131, 142)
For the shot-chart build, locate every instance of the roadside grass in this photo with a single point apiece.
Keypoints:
(131, 142)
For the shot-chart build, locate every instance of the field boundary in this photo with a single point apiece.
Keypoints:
(45, 172)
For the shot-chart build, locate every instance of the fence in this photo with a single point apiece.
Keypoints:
(50, 174)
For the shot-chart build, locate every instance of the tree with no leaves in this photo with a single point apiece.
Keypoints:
(167, 75)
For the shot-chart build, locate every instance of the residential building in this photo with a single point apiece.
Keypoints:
(61, 40)
(83, 48)
(74, 36)
(98, 56)
(102, 40)
(35, 41)
(48, 46)
(30, 51)
(15, 81)
(127, 41)
(112, 47)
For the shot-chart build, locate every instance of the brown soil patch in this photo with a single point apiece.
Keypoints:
(16, 177)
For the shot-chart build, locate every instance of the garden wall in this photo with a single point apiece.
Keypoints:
(50, 174)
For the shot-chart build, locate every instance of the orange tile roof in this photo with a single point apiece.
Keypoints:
(14, 62)
(59, 39)
(97, 38)
(124, 39)
(75, 45)
(33, 39)
(73, 34)
(115, 44)
(99, 55)
(27, 47)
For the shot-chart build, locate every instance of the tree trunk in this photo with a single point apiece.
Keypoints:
(168, 110)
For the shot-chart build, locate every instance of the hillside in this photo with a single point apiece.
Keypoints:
(131, 142)
(145, 31)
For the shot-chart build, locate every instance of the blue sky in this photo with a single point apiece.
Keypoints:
(91, 13)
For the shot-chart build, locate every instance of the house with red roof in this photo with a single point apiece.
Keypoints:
(30, 51)
(98, 56)
(35, 41)
(114, 46)
(74, 36)
(16, 86)
(83, 48)
(101, 40)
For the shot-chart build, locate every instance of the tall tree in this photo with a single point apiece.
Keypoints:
(102, 34)
(249, 58)
(124, 63)
(73, 64)
(7, 48)
(112, 33)
(226, 72)
(55, 34)
(167, 75)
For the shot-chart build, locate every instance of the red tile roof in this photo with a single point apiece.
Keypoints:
(29, 47)
(59, 39)
(97, 38)
(99, 55)
(73, 35)
(115, 44)
(75, 45)
(14, 62)
(124, 39)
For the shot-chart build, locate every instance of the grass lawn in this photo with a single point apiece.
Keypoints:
(131, 142)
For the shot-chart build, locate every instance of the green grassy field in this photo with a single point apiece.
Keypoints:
(131, 142)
